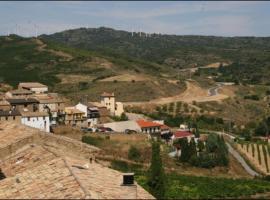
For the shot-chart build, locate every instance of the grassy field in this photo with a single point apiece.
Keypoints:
(124, 91)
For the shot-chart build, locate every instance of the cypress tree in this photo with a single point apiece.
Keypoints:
(184, 150)
(192, 148)
(222, 152)
(156, 176)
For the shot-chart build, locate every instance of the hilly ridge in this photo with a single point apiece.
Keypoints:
(250, 56)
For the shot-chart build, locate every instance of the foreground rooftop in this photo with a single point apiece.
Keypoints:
(42, 168)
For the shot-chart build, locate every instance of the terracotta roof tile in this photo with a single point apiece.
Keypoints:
(181, 134)
(146, 124)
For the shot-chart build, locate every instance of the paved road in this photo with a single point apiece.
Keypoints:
(241, 161)
(237, 156)
(214, 90)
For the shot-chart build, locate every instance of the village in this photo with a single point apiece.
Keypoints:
(33, 105)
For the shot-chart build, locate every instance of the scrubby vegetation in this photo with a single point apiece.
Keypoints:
(192, 187)
(249, 65)
(215, 152)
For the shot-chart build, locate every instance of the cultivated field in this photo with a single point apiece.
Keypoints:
(257, 154)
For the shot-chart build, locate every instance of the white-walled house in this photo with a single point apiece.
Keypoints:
(108, 101)
(39, 120)
(91, 113)
(119, 108)
(82, 107)
(35, 87)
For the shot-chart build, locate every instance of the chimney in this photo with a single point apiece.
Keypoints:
(128, 179)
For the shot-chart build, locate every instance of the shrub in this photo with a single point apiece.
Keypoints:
(92, 140)
(171, 107)
(134, 153)
(120, 165)
(252, 97)
(265, 157)
(253, 150)
(259, 154)
(200, 146)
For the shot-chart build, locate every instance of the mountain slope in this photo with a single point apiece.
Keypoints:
(77, 72)
(249, 55)
(163, 49)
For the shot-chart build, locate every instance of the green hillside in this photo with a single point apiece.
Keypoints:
(250, 54)
(75, 72)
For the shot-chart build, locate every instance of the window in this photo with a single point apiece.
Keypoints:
(25, 105)
(14, 117)
(28, 118)
(43, 118)
(6, 117)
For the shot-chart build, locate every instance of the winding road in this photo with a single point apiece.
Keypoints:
(214, 90)
(236, 155)
(241, 160)
(192, 93)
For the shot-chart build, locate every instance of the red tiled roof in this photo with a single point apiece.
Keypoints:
(146, 124)
(181, 134)
(106, 94)
(164, 127)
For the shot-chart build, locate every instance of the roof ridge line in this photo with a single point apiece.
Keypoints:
(85, 191)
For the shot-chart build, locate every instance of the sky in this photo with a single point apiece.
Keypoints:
(219, 18)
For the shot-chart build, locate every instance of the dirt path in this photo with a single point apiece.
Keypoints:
(193, 93)
(42, 47)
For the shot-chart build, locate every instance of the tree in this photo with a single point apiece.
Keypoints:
(200, 146)
(196, 131)
(184, 150)
(261, 129)
(156, 176)
(222, 152)
(134, 153)
(192, 148)
(123, 117)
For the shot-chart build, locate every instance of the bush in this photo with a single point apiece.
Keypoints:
(265, 157)
(120, 165)
(252, 97)
(92, 140)
(253, 150)
(134, 153)
(125, 167)
(259, 154)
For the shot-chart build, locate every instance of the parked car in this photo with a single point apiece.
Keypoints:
(104, 129)
(108, 129)
(86, 129)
